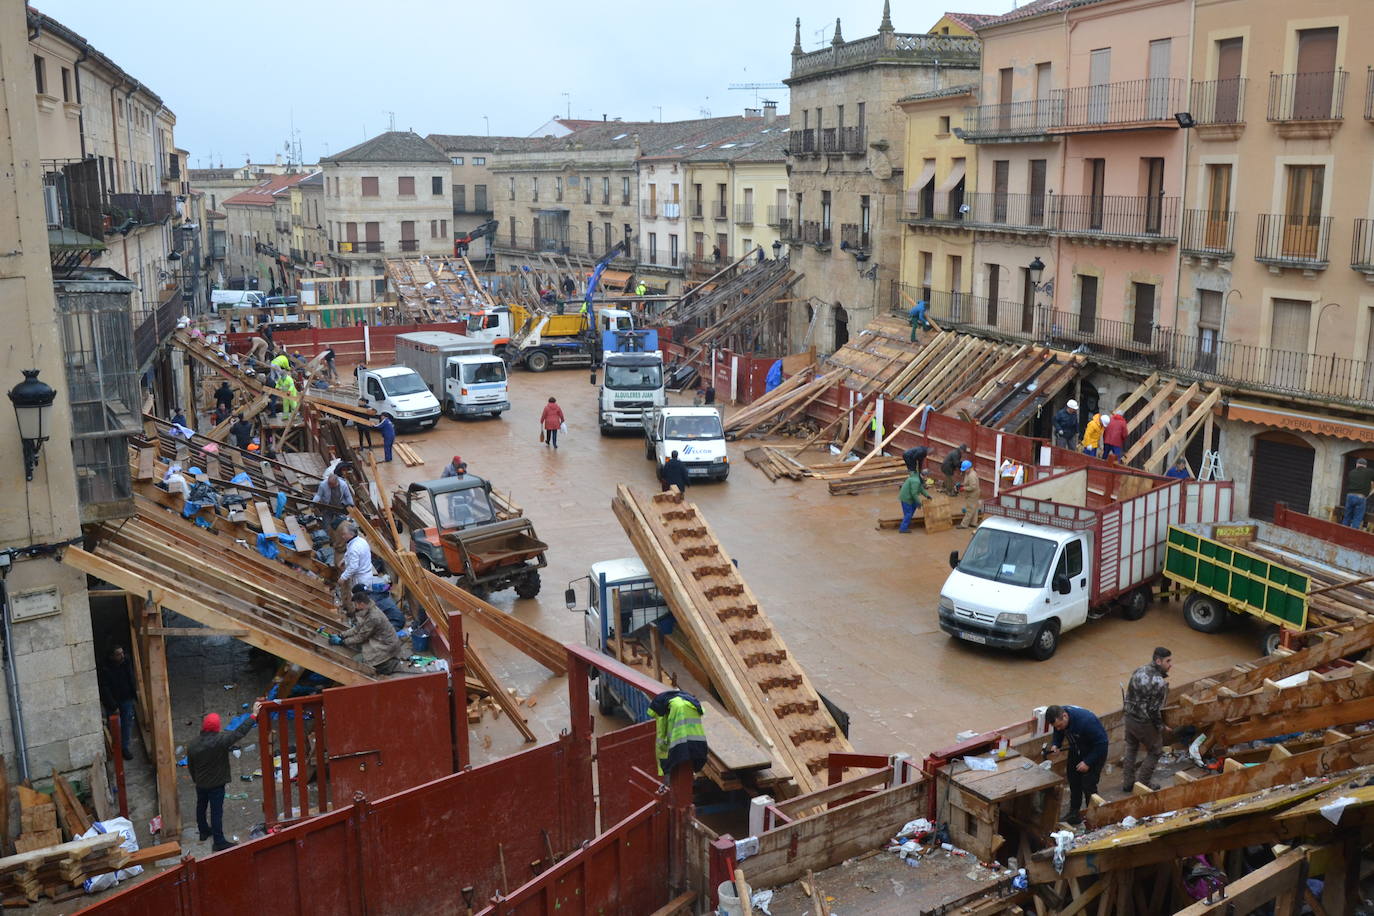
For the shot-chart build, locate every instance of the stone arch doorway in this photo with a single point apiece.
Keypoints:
(841, 326)
(1280, 471)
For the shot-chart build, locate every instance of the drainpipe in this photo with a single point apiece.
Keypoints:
(81, 112)
(1183, 181)
(21, 756)
(129, 135)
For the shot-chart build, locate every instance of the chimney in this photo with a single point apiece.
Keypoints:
(753, 112)
(770, 111)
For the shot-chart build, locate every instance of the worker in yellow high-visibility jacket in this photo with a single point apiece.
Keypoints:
(678, 735)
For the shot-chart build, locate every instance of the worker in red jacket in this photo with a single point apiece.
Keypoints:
(1114, 437)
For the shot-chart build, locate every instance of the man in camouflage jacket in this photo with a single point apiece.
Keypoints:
(1143, 706)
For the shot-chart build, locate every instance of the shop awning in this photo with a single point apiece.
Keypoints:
(923, 179)
(1264, 415)
(955, 176)
(615, 278)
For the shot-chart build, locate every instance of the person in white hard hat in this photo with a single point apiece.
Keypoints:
(1066, 426)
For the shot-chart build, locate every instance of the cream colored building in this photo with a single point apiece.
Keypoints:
(260, 232)
(386, 197)
(472, 183)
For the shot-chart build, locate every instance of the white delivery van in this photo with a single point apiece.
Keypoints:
(236, 298)
(695, 433)
(399, 391)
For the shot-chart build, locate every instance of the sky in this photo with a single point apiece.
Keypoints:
(247, 78)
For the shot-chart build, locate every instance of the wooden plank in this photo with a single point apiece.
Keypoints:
(1144, 441)
(1327, 716)
(1257, 888)
(169, 805)
(877, 449)
(236, 632)
(1137, 394)
(1276, 702)
(1354, 642)
(1184, 430)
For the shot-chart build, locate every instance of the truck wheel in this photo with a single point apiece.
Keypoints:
(1271, 639)
(604, 701)
(1204, 614)
(1135, 604)
(1046, 641)
(537, 361)
(451, 408)
(479, 591)
(648, 450)
(528, 587)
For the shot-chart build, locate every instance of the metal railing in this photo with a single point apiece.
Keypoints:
(1208, 233)
(811, 232)
(697, 209)
(1218, 102)
(360, 247)
(1070, 330)
(720, 210)
(81, 201)
(788, 229)
(145, 208)
(1293, 241)
(776, 215)
(410, 244)
(849, 235)
(1119, 215)
(998, 209)
(800, 142)
(1129, 102)
(1012, 119)
(926, 205)
(649, 209)
(744, 214)
(1306, 96)
(1362, 246)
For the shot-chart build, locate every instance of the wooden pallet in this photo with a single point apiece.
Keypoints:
(745, 658)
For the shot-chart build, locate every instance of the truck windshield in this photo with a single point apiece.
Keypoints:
(464, 508)
(634, 378)
(480, 373)
(1008, 556)
(693, 428)
(397, 385)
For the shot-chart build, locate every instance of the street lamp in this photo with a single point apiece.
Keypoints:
(777, 250)
(32, 401)
(1037, 270)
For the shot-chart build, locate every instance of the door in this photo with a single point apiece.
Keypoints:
(1144, 324)
(1154, 190)
(1004, 98)
(1087, 304)
(1217, 235)
(1314, 83)
(1157, 93)
(1280, 472)
(1027, 302)
(1001, 178)
(1288, 353)
(1070, 571)
(387, 736)
(1099, 74)
(372, 232)
(1226, 107)
(1035, 215)
(1097, 188)
(1303, 211)
(994, 293)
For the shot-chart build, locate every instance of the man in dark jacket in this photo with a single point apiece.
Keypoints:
(241, 431)
(1087, 741)
(950, 466)
(1066, 426)
(915, 459)
(224, 396)
(673, 474)
(1143, 712)
(207, 758)
(117, 694)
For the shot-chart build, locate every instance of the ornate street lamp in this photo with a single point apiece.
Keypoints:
(32, 402)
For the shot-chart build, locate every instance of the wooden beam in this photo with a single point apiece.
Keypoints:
(169, 806)
(1276, 702)
(1137, 394)
(1185, 429)
(877, 449)
(1144, 441)
(1355, 641)
(1333, 714)
(1170, 386)
(195, 631)
(1257, 888)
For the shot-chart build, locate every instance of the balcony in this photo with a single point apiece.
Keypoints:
(998, 211)
(843, 140)
(625, 200)
(744, 214)
(1218, 108)
(889, 48)
(1125, 340)
(1300, 242)
(1208, 234)
(966, 311)
(357, 247)
(789, 231)
(144, 209)
(813, 233)
(853, 237)
(649, 209)
(802, 142)
(1014, 121)
(697, 208)
(672, 209)
(776, 215)
(1120, 106)
(282, 225)
(410, 244)
(926, 206)
(720, 210)
(1117, 216)
(1306, 105)
(1362, 248)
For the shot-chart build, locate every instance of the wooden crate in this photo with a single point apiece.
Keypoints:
(987, 811)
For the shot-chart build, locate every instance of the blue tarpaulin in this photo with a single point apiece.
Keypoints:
(774, 378)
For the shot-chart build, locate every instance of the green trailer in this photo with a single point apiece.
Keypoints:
(1223, 579)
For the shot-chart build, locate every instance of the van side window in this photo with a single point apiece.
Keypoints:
(374, 389)
(1071, 560)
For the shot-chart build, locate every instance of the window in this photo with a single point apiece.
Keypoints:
(1292, 320)
(558, 187)
(624, 191)
(746, 246)
(865, 222)
(1096, 180)
(605, 190)
(1036, 205)
(479, 197)
(653, 247)
(443, 228)
(479, 160)
(434, 228)
(351, 232)
(861, 108)
(512, 187)
(370, 186)
(40, 75)
(436, 186)
(1208, 328)
(1303, 210)
(839, 119)
(405, 185)
(994, 292)
(66, 85)
(825, 209)
(460, 202)
(1071, 560)
(457, 160)
(944, 125)
(1229, 52)
(1144, 323)
(1001, 179)
(672, 250)
(606, 235)
(629, 237)
(586, 189)
(407, 229)
(1087, 304)
(1152, 176)
(591, 240)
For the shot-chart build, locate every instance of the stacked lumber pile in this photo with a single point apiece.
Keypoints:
(776, 462)
(408, 454)
(37, 820)
(784, 403)
(58, 871)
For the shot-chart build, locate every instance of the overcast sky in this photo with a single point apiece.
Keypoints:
(238, 75)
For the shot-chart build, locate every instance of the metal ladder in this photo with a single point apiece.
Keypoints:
(1211, 467)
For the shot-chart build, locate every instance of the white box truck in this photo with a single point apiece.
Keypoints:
(464, 374)
(1060, 550)
(695, 433)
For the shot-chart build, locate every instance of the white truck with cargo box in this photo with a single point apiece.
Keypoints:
(399, 391)
(695, 433)
(1059, 550)
(465, 374)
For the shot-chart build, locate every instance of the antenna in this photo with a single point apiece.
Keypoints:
(568, 97)
(755, 88)
(390, 120)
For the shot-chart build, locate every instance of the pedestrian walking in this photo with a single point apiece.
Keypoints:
(972, 489)
(371, 634)
(1066, 426)
(387, 428)
(117, 694)
(673, 474)
(1114, 437)
(950, 466)
(551, 421)
(1092, 435)
(1357, 486)
(207, 758)
(913, 488)
(1087, 741)
(1143, 711)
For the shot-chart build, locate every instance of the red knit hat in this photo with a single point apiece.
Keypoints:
(210, 723)
(457, 460)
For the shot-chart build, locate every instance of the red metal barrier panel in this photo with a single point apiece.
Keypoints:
(167, 894)
(616, 753)
(1353, 538)
(347, 340)
(384, 737)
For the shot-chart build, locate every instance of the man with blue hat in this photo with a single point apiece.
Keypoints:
(973, 494)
